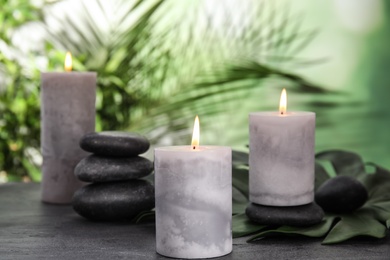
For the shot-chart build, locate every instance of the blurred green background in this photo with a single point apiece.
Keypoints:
(160, 63)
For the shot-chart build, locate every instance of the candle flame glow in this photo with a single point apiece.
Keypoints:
(283, 102)
(68, 61)
(195, 134)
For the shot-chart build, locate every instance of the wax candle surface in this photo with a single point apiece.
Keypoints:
(67, 113)
(193, 201)
(281, 158)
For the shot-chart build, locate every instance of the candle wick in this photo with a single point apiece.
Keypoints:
(281, 112)
(193, 147)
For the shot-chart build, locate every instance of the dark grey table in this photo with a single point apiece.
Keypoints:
(30, 229)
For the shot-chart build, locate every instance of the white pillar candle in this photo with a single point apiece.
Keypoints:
(67, 113)
(193, 201)
(281, 157)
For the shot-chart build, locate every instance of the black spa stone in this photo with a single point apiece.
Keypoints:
(341, 194)
(96, 168)
(114, 200)
(302, 216)
(114, 143)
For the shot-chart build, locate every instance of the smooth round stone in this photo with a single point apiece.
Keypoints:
(114, 200)
(305, 215)
(96, 168)
(341, 194)
(113, 143)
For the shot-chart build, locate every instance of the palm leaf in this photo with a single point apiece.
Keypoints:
(167, 70)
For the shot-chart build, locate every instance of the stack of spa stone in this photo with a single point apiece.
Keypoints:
(114, 169)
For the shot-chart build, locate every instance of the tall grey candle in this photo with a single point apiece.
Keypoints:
(281, 157)
(67, 113)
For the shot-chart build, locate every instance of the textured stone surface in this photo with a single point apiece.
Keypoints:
(114, 143)
(305, 215)
(34, 230)
(114, 200)
(341, 194)
(96, 168)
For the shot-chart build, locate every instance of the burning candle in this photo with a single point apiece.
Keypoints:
(67, 113)
(193, 186)
(281, 156)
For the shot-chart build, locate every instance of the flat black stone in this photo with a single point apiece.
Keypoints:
(96, 168)
(114, 143)
(302, 216)
(341, 194)
(114, 200)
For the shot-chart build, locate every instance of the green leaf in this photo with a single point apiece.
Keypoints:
(372, 181)
(378, 186)
(320, 175)
(33, 170)
(254, 71)
(149, 178)
(380, 211)
(239, 207)
(240, 202)
(144, 216)
(318, 230)
(388, 223)
(344, 163)
(242, 226)
(240, 158)
(240, 180)
(360, 223)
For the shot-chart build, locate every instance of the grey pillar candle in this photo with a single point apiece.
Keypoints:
(67, 113)
(193, 201)
(281, 158)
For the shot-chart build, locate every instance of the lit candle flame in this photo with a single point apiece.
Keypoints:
(195, 134)
(283, 102)
(68, 61)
